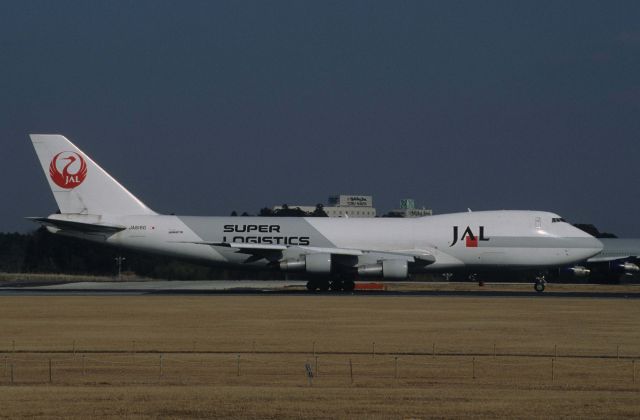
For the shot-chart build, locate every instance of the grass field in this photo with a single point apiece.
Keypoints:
(374, 357)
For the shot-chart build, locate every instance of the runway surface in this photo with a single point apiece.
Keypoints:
(284, 288)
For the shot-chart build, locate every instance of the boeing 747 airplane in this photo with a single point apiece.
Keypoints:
(335, 251)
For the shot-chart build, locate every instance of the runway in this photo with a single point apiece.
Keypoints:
(297, 287)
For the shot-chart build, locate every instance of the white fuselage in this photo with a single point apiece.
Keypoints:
(474, 239)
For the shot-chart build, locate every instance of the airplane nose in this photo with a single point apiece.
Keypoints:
(591, 246)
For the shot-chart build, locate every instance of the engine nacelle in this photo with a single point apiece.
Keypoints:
(292, 265)
(318, 263)
(388, 269)
(579, 271)
(311, 263)
(374, 270)
(395, 269)
(626, 267)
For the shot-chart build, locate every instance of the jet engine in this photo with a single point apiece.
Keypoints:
(311, 263)
(579, 271)
(388, 269)
(625, 267)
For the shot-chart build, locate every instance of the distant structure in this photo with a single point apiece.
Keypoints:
(344, 205)
(408, 209)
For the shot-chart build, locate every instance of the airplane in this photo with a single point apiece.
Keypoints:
(334, 252)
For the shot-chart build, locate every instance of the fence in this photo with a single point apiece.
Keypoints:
(21, 368)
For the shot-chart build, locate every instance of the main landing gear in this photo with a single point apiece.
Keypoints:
(540, 283)
(335, 285)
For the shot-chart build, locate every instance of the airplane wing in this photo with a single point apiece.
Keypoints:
(419, 256)
(617, 249)
(598, 259)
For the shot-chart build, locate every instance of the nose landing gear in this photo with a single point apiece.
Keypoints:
(540, 283)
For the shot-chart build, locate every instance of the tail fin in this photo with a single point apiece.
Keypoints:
(79, 185)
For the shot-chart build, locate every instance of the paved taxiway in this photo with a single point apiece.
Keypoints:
(254, 287)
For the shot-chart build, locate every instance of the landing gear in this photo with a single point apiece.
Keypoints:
(319, 285)
(349, 285)
(540, 283)
(475, 277)
(335, 285)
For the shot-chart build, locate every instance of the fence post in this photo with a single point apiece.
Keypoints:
(238, 373)
(49, 370)
(552, 372)
(317, 371)
(307, 368)
(473, 368)
(12, 373)
(161, 365)
(396, 367)
(351, 370)
(83, 366)
(555, 351)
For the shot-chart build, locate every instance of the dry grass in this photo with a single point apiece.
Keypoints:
(511, 287)
(47, 278)
(448, 401)
(118, 342)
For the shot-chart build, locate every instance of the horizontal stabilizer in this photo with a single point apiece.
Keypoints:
(78, 226)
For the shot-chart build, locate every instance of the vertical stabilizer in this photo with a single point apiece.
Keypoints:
(78, 184)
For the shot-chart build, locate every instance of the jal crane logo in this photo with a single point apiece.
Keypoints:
(74, 169)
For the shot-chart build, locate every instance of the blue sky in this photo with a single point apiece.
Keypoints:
(208, 107)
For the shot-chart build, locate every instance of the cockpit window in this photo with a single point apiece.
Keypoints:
(558, 220)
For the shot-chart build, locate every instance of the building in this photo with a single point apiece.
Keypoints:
(350, 206)
(408, 209)
(345, 205)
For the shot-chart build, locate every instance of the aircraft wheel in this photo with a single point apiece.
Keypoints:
(539, 286)
(312, 285)
(323, 286)
(337, 285)
(349, 285)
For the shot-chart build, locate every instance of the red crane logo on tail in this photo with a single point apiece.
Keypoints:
(74, 169)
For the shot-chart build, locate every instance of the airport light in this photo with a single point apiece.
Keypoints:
(119, 260)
